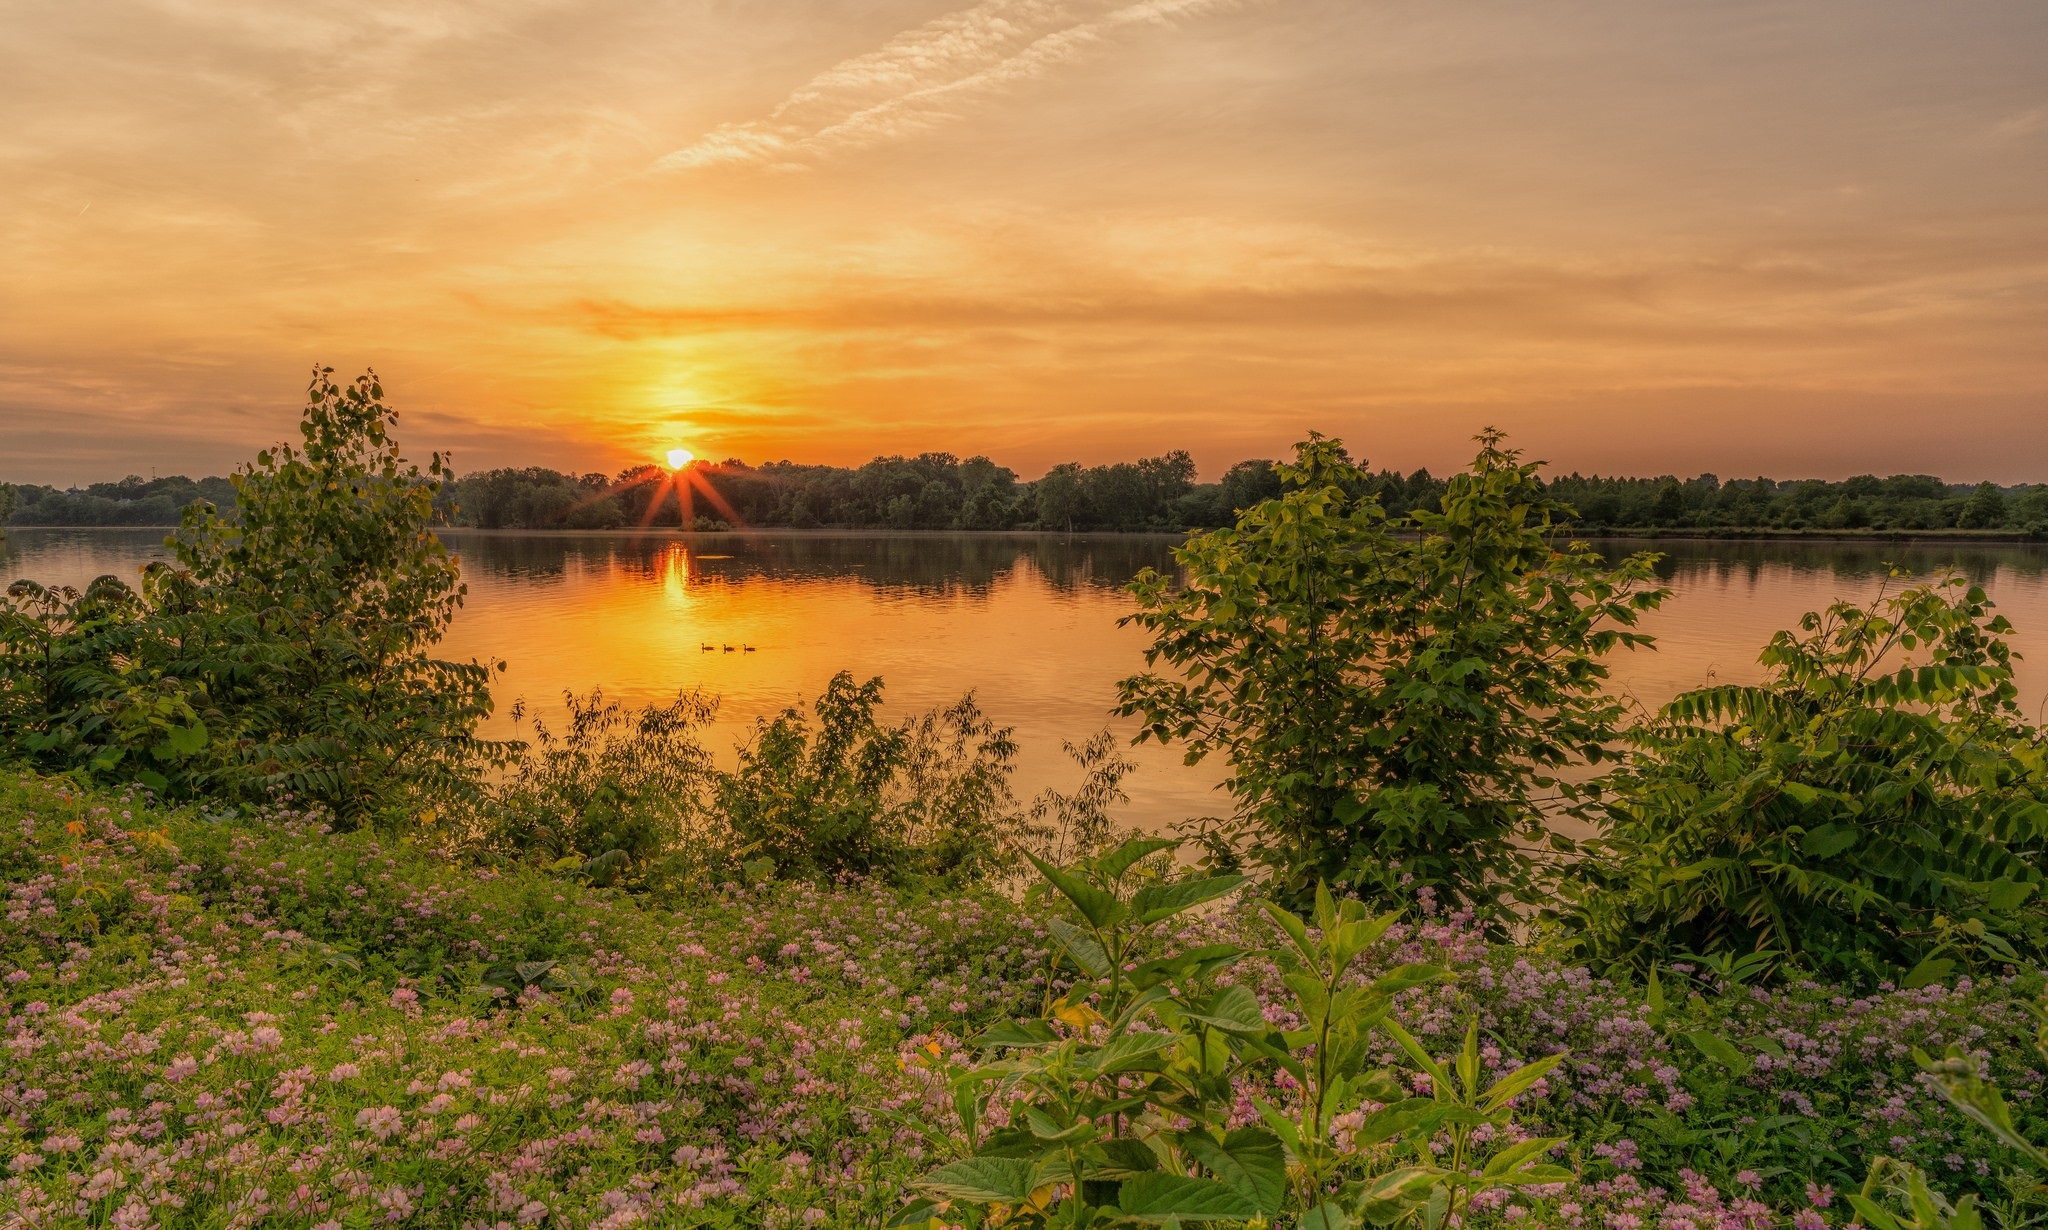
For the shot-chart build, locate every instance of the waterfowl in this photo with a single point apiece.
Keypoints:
(728, 649)
(746, 648)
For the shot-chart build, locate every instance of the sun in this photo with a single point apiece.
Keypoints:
(680, 457)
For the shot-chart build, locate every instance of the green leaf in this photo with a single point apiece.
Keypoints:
(1397, 1119)
(186, 740)
(1157, 902)
(916, 1215)
(1234, 1009)
(1100, 908)
(1114, 863)
(1015, 1033)
(1511, 1158)
(1157, 1196)
(1081, 946)
(1325, 1216)
(1249, 1159)
(1828, 840)
(1128, 1053)
(1403, 977)
(1518, 1081)
(1930, 970)
(1120, 1158)
(1296, 930)
(988, 1180)
(1720, 1050)
(1389, 1196)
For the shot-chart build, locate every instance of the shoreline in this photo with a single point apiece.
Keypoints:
(2010, 538)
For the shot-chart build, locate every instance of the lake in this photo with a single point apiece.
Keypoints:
(1029, 622)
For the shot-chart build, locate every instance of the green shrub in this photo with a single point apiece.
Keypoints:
(1873, 809)
(1392, 706)
(287, 651)
(855, 796)
(608, 781)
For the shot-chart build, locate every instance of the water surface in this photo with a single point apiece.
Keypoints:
(1029, 622)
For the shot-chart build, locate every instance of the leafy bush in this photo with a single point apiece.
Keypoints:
(609, 781)
(1392, 706)
(289, 650)
(1874, 809)
(853, 795)
(1121, 1105)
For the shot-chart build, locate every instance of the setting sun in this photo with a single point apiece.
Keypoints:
(679, 457)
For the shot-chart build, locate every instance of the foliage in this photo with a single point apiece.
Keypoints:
(1118, 1105)
(941, 492)
(1874, 809)
(1067, 826)
(609, 783)
(855, 796)
(254, 1020)
(1706, 503)
(1392, 706)
(288, 651)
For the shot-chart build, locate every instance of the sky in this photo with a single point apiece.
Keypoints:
(1795, 239)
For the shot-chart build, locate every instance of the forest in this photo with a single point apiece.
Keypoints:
(938, 491)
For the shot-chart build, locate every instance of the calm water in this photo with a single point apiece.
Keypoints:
(1028, 622)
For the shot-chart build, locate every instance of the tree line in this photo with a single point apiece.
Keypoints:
(939, 491)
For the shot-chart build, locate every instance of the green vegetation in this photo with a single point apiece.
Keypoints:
(288, 651)
(938, 491)
(289, 944)
(1391, 702)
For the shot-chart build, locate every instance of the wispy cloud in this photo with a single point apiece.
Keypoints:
(928, 75)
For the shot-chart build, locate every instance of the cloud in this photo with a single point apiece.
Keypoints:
(926, 76)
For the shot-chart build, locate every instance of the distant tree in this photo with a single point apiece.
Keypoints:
(1985, 509)
(1250, 482)
(1059, 497)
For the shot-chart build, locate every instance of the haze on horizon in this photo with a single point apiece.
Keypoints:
(1791, 239)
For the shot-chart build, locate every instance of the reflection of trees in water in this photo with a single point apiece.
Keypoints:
(929, 564)
(1727, 560)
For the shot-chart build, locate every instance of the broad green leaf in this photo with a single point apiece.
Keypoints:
(1388, 1197)
(1098, 906)
(1114, 863)
(1234, 1009)
(1828, 840)
(1016, 1033)
(1120, 1158)
(1403, 977)
(1325, 1216)
(1157, 902)
(997, 1180)
(1156, 1197)
(917, 1215)
(1512, 1157)
(1929, 971)
(1397, 1119)
(1081, 946)
(1133, 1052)
(1249, 1159)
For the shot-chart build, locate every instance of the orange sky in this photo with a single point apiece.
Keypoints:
(1790, 238)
